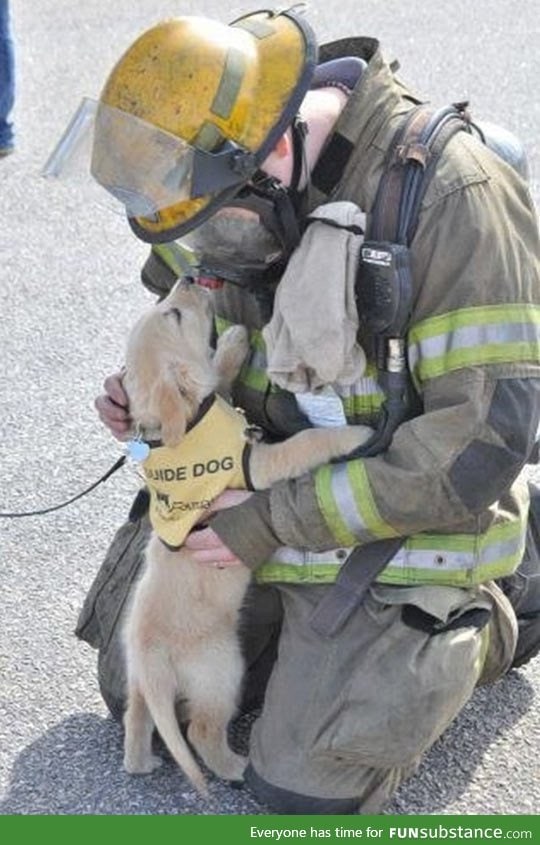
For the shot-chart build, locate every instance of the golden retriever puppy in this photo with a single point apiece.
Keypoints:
(180, 633)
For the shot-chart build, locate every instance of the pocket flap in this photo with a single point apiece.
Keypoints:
(439, 602)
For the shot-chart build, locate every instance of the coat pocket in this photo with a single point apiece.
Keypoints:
(411, 680)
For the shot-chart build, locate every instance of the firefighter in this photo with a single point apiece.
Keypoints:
(220, 141)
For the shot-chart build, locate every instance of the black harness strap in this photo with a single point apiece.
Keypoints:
(409, 164)
(348, 591)
(403, 149)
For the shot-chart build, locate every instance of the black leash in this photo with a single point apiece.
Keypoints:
(119, 463)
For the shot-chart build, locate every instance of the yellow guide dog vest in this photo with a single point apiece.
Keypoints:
(212, 456)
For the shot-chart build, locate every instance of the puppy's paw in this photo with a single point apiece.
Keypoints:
(142, 765)
(237, 769)
(234, 338)
(233, 345)
(356, 436)
(230, 767)
(231, 352)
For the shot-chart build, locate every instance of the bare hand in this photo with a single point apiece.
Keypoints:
(207, 548)
(113, 407)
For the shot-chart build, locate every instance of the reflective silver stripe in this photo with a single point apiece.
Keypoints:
(257, 360)
(471, 336)
(345, 501)
(230, 83)
(301, 557)
(408, 556)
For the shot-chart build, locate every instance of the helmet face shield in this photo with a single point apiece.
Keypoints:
(143, 167)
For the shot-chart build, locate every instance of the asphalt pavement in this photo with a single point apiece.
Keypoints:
(69, 292)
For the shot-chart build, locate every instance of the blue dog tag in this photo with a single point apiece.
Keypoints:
(138, 450)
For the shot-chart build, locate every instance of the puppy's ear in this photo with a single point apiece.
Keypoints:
(170, 408)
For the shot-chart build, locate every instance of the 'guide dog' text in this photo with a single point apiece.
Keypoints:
(196, 470)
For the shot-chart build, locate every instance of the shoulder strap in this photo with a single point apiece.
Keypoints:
(409, 165)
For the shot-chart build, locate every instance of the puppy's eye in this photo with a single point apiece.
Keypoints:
(176, 313)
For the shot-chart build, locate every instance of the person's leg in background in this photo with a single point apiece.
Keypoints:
(7, 80)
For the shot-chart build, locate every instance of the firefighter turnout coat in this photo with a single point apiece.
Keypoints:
(451, 482)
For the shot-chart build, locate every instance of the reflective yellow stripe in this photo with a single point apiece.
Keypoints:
(360, 405)
(461, 560)
(221, 324)
(179, 258)
(474, 337)
(208, 137)
(364, 397)
(347, 503)
(478, 315)
(457, 578)
(301, 565)
(289, 574)
(365, 503)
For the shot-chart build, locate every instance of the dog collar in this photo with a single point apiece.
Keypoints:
(138, 448)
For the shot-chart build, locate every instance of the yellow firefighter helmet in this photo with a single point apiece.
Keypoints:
(192, 109)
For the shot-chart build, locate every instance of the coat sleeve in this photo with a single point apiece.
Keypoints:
(474, 355)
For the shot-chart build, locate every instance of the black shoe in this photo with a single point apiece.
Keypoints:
(528, 644)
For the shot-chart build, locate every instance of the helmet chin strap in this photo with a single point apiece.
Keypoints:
(299, 131)
(289, 203)
(300, 174)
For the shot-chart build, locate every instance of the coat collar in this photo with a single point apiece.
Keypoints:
(356, 148)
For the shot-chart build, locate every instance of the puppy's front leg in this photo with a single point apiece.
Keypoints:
(272, 462)
(231, 351)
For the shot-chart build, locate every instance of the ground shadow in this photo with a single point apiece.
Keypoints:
(76, 766)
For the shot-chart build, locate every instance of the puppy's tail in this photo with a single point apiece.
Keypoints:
(161, 706)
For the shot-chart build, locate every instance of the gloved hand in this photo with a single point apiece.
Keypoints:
(113, 407)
